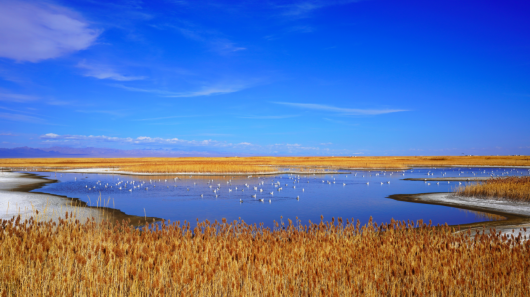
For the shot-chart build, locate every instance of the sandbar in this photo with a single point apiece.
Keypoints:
(16, 199)
(517, 214)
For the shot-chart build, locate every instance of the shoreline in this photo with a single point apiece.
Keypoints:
(110, 171)
(17, 199)
(106, 170)
(517, 214)
(515, 217)
(480, 178)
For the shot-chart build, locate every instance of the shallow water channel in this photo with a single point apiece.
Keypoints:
(359, 194)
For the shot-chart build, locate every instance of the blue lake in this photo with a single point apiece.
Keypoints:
(331, 195)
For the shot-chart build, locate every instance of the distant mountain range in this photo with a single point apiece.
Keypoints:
(70, 152)
(28, 152)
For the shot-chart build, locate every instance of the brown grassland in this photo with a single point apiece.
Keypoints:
(515, 188)
(219, 259)
(257, 164)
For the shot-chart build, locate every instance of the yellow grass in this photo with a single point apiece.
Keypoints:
(516, 188)
(257, 164)
(326, 259)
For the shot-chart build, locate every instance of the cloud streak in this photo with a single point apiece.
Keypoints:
(17, 97)
(204, 91)
(302, 9)
(214, 40)
(244, 147)
(105, 72)
(167, 118)
(269, 117)
(21, 118)
(34, 32)
(341, 110)
(129, 140)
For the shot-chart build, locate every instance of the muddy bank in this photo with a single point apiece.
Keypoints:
(469, 178)
(112, 171)
(16, 199)
(517, 214)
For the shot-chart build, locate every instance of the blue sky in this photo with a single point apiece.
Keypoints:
(267, 77)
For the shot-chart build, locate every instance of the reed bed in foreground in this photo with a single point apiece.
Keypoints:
(218, 259)
(515, 188)
(257, 164)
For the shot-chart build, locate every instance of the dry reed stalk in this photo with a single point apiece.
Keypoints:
(219, 259)
(514, 188)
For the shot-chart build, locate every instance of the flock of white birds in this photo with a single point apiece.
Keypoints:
(260, 187)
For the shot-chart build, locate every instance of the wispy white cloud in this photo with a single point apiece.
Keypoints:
(341, 110)
(35, 31)
(269, 117)
(105, 72)
(21, 118)
(17, 97)
(300, 9)
(224, 46)
(209, 145)
(340, 122)
(165, 124)
(214, 40)
(146, 140)
(167, 118)
(101, 111)
(211, 90)
(59, 102)
(216, 134)
(217, 89)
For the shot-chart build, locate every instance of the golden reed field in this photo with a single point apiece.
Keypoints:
(338, 258)
(257, 164)
(515, 188)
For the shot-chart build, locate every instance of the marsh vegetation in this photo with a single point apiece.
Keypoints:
(256, 164)
(513, 188)
(337, 258)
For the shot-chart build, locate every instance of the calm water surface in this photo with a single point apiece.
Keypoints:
(358, 195)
